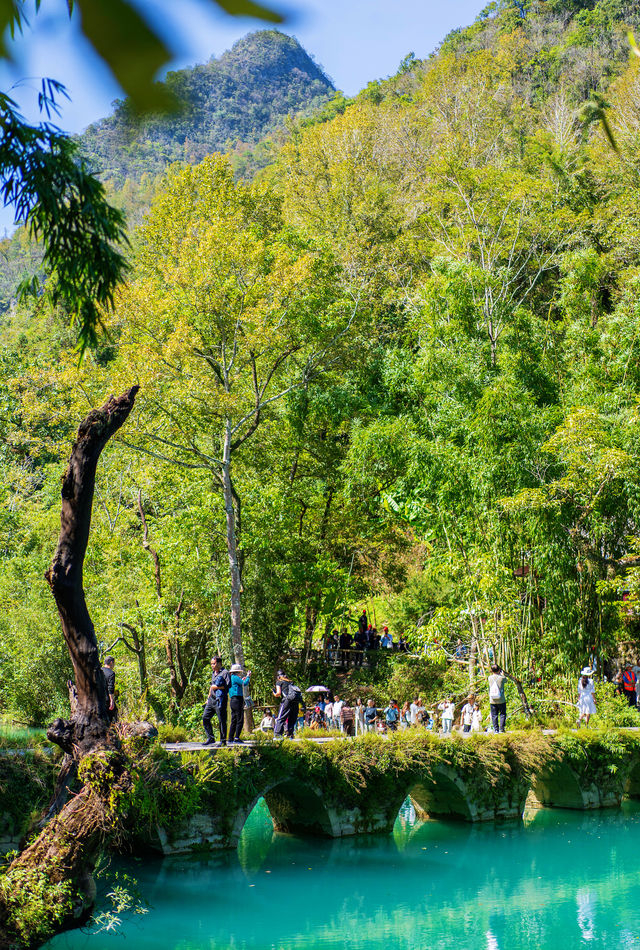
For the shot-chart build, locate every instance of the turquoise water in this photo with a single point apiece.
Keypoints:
(559, 880)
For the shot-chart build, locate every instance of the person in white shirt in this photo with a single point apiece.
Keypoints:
(328, 714)
(415, 711)
(586, 696)
(466, 716)
(268, 722)
(476, 719)
(337, 709)
(448, 711)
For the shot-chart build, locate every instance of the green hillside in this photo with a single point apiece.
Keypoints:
(242, 96)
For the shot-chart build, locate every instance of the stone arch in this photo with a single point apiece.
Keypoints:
(558, 786)
(295, 808)
(443, 794)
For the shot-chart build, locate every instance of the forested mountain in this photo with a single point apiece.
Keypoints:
(238, 103)
(242, 96)
(403, 362)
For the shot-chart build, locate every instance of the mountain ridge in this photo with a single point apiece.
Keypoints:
(241, 96)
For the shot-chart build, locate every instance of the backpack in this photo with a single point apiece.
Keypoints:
(293, 694)
(494, 690)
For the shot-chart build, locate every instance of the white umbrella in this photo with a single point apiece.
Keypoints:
(317, 689)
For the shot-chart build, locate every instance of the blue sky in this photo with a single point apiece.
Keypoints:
(355, 41)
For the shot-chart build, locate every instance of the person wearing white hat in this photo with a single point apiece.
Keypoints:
(236, 700)
(586, 696)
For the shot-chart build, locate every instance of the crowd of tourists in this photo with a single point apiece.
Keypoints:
(327, 712)
(347, 649)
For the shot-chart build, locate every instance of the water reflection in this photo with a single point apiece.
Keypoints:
(561, 879)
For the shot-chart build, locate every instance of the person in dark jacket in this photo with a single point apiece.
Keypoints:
(345, 646)
(110, 679)
(290, 697)
(216, 704)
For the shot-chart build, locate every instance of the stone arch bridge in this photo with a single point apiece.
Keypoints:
(358, 787)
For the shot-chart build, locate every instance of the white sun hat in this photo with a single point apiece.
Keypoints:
(587, 671)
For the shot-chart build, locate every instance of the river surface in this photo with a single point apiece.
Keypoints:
(557, 881)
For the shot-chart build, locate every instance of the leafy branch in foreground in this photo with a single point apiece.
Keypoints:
(63, 205)
(132, 48)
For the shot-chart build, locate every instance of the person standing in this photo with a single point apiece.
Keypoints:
(328, 714)
(405, 719)
(370, 715)
(110, 679)
(497, 699)
(392, 716)
(448, 712)
(629, 684)
(216, 704)
(586, 696)
(337, 709)
(359, 645)
(359, 710)
(362, 621)
(345, 647)
(415, 710)
(290, 697)
(466, 716)
(476, 719)
(347, 719)
(387, 640)
(236, 701)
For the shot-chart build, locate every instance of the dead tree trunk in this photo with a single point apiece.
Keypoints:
(87, 728)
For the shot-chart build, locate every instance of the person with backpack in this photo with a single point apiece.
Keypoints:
(290, 697)
(392, 716)
(497, 699)
(629, 684)
(236, 701)
(216, 704)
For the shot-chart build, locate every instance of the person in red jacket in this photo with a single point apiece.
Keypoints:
(629, 684)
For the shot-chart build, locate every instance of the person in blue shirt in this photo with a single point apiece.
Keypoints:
(216, 704)
(392, 715)
(236, 700)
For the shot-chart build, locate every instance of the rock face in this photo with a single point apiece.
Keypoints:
(244, 95)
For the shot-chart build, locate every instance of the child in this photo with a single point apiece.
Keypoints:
(268, 722)
(476, 718)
